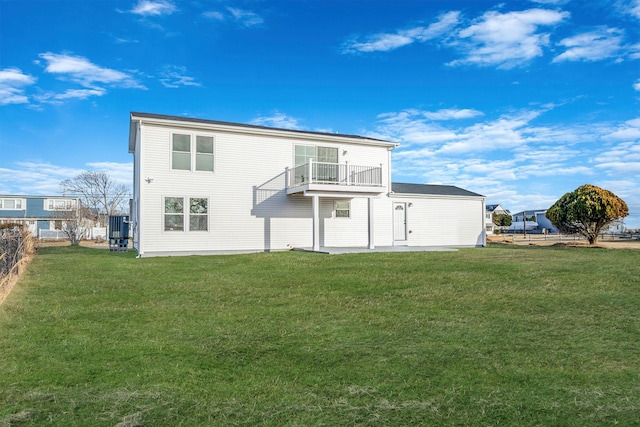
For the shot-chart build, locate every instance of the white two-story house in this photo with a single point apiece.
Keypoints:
(206, 187)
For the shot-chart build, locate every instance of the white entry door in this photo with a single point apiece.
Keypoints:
(400, 223)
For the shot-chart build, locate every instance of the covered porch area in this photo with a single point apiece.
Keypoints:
(336, 181)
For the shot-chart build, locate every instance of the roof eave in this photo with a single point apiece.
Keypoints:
(248, 129)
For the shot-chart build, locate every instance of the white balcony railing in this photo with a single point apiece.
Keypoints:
(334, 173)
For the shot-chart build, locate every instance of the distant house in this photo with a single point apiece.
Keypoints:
(208, 187)
(535, 221)
(490, 210)
(615, 227)
(39, 214)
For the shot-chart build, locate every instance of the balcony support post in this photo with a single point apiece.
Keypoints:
(371, 228)
(315, 207)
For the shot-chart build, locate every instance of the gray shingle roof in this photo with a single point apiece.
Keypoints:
(440, 190)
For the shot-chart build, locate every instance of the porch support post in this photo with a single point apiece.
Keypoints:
(371, 231)
(315, 207)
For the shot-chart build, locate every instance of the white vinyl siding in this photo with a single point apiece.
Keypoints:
(427, 225)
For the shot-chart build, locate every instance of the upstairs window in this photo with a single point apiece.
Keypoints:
(59, 204)
(181, 154)
(204, 153)
(185, 155)
(12, 204)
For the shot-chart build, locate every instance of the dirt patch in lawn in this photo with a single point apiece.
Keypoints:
(541, 240)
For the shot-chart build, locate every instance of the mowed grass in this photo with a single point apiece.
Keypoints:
(497, 336)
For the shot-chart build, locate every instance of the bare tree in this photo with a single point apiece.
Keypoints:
(74, 220)
(98, 192)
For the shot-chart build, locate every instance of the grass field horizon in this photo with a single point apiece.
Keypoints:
(505, 335)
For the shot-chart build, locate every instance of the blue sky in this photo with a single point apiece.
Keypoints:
(521, 101)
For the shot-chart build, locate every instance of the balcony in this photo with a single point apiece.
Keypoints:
(322, 177)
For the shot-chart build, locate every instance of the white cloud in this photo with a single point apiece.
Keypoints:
(245, 17)
(449, 114)
(636, 85)
(634, 8)
(277, 120)
(120, 173)
(627, 131)
(214, 15)
(80, 70)
(506, 40)
(153, 8)
(80, 93)
(591, 46)
(12, 82)
(383, 42)
(173, 76)
(35, 178)
(414, 127)
(41, 178)
(552, 2)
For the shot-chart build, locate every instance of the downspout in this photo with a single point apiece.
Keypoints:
(137, 178)
(484, 223)
(389, 169)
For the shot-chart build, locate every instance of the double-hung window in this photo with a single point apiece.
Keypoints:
(343, 208)
(183, 212)
(198, 214)
(189, 153)
(204, 153)
(181, 154)
(173, 214)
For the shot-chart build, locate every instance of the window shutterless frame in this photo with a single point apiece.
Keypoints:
(192, 152)
(185, 214)
(343, 208)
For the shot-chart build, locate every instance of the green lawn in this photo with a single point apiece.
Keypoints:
(526, 336)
